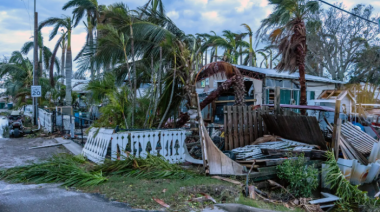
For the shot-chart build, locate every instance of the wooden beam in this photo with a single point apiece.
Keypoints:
(277, 108)
(337, 138)
(336, 117)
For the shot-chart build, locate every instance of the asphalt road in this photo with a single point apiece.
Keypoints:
(50, 197)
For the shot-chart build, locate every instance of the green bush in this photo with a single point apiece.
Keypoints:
(302, 179)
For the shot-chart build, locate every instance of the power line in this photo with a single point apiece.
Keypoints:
(347, 12)
(27, 10)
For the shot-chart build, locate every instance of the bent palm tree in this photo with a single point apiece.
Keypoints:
(252, 55)
(67, 23)
(289, 31)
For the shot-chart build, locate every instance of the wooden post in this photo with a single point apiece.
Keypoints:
(277, 108)
(337, 137)
(336, 117)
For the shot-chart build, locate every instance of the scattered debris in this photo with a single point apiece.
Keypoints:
(328, 198)
(256, 151)
(161, 202)
(266, 138)
(227, 180)
(50, 145)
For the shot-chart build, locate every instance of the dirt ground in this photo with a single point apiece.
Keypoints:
(16, 151)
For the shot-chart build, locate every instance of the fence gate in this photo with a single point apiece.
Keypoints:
(243, 125)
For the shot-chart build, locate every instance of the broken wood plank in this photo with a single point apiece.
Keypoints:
(50, 145)
(228, 180)
(230, 137)
(235, 122)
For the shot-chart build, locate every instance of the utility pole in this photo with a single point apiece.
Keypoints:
(35, 62)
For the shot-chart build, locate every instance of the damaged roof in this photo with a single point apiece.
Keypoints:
(275, 73)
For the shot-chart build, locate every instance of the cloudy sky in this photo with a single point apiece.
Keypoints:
(192, 16)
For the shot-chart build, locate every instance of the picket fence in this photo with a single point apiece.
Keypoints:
(169, 144)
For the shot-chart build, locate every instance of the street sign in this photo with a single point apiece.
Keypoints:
(36, 91)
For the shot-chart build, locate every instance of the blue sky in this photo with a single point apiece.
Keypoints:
(192, 16)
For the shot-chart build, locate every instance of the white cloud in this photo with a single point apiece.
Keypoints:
(244, 4)
(173, 14)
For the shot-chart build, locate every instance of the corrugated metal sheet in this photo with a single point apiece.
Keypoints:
(297, 128)
(274, 73)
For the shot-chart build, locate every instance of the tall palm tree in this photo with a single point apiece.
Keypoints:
(170, 43)
(93, 12)
(287, 23)
(252, 55)
(45, 55)
(67, 23)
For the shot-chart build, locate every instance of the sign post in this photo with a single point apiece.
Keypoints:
(36, 90)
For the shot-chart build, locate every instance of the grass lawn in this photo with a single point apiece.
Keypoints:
(138, 193)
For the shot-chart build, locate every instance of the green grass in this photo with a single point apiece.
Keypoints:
(264, 205)
(139, 193)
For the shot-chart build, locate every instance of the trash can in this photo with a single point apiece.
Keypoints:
(2, 105)
(10, 106)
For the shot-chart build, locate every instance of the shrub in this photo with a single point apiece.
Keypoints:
(302, 178)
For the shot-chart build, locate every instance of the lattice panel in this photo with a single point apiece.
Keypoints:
(97, 143)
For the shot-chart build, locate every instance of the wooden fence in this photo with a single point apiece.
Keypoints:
(243, 125)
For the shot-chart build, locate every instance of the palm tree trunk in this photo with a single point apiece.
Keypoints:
(301, 54)
(150, 101)
(158, 92)
(134, 76)
(241, 56)
(206, 57)
(171, 96)
(216, 54)
(63, 61)
(69, 70)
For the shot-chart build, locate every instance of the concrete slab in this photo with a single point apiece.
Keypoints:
(17, 152)
(70, 145)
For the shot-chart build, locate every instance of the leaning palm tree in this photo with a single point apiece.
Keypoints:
(170, 43)
(252, 55)
(67, 23)
(287, 23)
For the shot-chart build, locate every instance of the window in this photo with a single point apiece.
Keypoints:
(312, 95)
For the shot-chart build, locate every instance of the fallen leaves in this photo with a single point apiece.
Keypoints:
(161, 202)
(204, 198)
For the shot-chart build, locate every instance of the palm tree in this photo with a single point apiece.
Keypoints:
(289, 32)
(93, 11)
(45, 55)
(19, 74)
(113, 44)
(67, 23)
(171, 44)
(252, 55)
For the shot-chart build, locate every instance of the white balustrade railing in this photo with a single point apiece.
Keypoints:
(168, 143)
